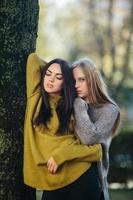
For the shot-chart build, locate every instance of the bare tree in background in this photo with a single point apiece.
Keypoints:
(110, 40)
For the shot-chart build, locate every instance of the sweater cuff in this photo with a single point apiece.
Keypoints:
(58, 157)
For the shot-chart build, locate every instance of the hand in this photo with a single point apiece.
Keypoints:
(80, 105)
(52, 165)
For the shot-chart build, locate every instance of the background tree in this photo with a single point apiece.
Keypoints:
(113, 41)
(18, 28)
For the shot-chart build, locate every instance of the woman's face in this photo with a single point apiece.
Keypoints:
(53, 79)
(80, 83)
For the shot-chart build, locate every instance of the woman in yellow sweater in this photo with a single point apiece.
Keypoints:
(54, 159)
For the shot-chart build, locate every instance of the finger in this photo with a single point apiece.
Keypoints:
(49, 162)
(51, 168)
(55, 169)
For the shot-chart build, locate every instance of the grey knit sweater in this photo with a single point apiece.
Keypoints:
(94, 125)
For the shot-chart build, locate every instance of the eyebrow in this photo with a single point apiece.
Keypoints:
(55, 73)
(81, 77)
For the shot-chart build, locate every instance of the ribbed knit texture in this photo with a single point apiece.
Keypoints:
(94, 125)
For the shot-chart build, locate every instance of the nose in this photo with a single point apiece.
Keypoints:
(52, 79)
(76, 84)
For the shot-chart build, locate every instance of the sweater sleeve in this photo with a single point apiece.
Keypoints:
(33, 73)
(78, 152)
(89, 132)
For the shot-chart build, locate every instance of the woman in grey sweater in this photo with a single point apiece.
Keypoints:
(97, 115)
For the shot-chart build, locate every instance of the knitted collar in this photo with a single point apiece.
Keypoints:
(54, 99)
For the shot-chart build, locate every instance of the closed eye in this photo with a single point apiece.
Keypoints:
(59, 77)
(48, 74)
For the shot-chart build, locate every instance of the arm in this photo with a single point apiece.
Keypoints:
(77, 152)
(33, 73)
(89, 132)
(94, 154)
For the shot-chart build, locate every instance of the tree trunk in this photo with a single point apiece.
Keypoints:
(18, 28)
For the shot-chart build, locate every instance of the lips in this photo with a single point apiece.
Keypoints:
(78, 91)
(50, 85)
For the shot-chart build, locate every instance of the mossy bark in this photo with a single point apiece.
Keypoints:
(18, 33)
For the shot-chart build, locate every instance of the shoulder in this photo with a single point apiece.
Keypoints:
(108, 109)
(110, 106)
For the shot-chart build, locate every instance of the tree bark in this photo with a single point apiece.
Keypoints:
(18, 28)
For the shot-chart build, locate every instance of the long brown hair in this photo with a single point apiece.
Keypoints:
(96, 86)
(64, 108)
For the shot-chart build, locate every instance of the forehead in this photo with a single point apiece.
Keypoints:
(78, 72)
(55, 68)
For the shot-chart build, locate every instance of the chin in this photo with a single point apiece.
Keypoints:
(80, 95)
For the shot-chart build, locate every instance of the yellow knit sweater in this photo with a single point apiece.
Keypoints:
(40, 143)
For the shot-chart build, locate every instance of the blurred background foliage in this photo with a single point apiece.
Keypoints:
(103, 31)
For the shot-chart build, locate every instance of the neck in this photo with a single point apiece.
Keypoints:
(54, 98)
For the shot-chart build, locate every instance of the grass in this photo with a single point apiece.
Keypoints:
(121, 194)
(115, 194)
